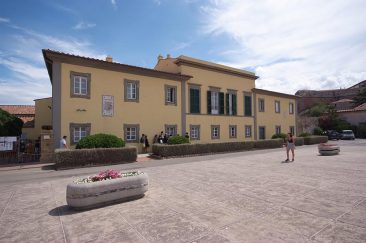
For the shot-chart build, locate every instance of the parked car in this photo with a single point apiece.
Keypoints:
(333, 135)
(348, 134)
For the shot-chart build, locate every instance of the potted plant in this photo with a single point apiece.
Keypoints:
(106, 187)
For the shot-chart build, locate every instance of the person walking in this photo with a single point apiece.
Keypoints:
(290, 146)
(147, 145)
(142, 141)
(63, 144)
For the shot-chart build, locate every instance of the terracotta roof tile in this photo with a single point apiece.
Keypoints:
(361, 107)
(19, 109)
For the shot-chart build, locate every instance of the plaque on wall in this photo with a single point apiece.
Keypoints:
(107, 105)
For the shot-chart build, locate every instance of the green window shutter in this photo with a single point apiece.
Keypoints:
(222, 103)
(197, 101)
(234, 105)
(227, 104)
(194, 100)
(208, 102)
(248, 106)
(191, 100)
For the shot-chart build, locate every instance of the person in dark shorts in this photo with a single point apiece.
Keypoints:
(290, 145)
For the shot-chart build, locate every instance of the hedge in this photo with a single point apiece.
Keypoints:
(315, 140)
(299, 141)
(163, 150)
(73, 158)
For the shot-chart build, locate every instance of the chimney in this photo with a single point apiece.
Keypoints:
(109, 58)
(160, 57)
(167, 56)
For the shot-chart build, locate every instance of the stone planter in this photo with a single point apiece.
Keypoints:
(100, 193)
(328, 149)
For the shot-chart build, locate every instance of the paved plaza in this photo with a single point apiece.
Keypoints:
(238, 197)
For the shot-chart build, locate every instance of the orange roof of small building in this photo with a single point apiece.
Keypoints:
(19, 109)
(361, 107)
(342, 101)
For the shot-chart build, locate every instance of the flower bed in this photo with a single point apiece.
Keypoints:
(106, 187)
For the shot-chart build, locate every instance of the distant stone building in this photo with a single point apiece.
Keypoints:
(308, 98)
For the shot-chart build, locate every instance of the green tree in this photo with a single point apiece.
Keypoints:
(318, 109)
(360, 98)
(10, 125)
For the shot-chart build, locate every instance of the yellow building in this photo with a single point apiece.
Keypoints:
(212, 102)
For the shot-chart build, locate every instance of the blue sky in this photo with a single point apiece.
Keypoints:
(291, 45)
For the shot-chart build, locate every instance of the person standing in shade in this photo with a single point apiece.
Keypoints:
(187, 135)
(290, 146)
(142, 141)
(63, 144)
(147, 145)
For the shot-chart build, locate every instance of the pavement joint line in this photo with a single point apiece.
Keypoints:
(7, 203)
(133, 227)
(58, 212)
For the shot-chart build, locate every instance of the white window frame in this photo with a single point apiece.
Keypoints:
(278, 130)
(261, 105)
(79, 133)
(131, 91)
(232, 131)
(248, 131)
(277, 106)
(171, 93)
(195, 132)
(131, 133)
(215, 102)
(291, 108)
(78, 83)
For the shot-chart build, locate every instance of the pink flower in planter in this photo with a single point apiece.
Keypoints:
(108, 174)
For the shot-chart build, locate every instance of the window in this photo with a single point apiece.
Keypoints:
(278, 129)
(261, 105)
(215, 132)
(194, 99)
(215, 102)
(80, 85)
(248, 105)
(131, 133)
(292, 130)
(195, 132)
(78, 131)
(131, 90)
(170, 95)
(248, 131)
(231, 104)
(277, 106)
(291, 108)
(262, 133)
(171, 130)
(232, 131)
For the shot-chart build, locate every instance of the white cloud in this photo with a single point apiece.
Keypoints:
(26, 78)
(4, 20)
(181, 46)
(293, 44)
(114, 4)
(82, 25)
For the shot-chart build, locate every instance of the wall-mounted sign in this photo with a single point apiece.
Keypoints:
(107, 105)
(6, 143)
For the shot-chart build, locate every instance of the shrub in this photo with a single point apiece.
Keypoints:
(190, 149)
(299, 141)
(270, 143)
(280, 135)
(73, 158)
(100, 141)
(315, 140)
(361, 131)
(318, 131)
(304, 134)
(177, 139)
